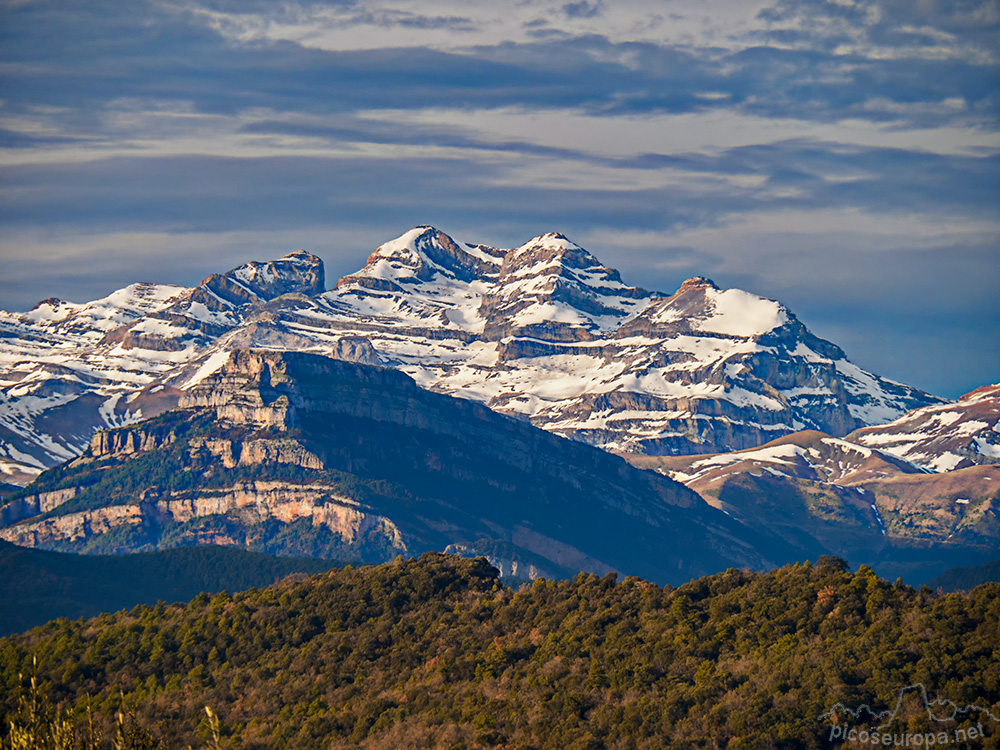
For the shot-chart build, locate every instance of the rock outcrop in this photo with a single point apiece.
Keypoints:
(247, 505)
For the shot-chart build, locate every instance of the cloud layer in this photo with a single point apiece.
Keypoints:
(841, 156)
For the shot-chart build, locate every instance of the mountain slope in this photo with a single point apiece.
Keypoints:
(300, 454)
(542, 331)
(943, 437)
(865, 505)
(547, 332)
(966, 579)
(68, 369)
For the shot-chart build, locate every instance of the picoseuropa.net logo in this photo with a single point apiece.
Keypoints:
(947, 723)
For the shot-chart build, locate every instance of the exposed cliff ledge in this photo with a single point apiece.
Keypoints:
(33, 505)
(254, 452)
(127, 441)
(250, 502)
(72, 526)
(270, 389)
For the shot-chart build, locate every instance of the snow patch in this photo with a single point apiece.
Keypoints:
(970, 428)
(783, 454)
(211, 365)
(845, 445)
(739, 313)
(945, 462)
(107, 410)
(986, 448)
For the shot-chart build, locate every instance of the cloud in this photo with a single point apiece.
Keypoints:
(582, 9)
(934, 30)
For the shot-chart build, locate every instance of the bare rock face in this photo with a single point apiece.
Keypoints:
(33, 505)
(128, 441)
(296, 273)
(72, 526)
(235, 453)
(248, 504)
(356, 349)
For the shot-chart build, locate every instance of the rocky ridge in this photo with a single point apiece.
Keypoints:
(943, 437)
(69, 369)
(861, 503)
(547, 332)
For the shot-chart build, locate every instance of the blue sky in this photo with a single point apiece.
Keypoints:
(840, 156)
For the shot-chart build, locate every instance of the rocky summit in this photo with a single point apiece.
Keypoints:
(543, 332)
(296, 453)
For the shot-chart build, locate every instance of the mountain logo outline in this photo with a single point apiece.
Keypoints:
(951, 710)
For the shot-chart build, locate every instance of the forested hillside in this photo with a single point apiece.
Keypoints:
(963, 579)
(435, 653)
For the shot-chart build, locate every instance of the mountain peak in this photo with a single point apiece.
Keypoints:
(51, 302)
(697, 282)
(552, 289)
(298, 272)
(549, 241)
(555, 237)
(420, 255)
(544, 331)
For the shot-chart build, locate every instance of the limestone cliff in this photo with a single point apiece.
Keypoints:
(248, 504)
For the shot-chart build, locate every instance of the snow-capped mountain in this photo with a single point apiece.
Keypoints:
(543, 331)
(547, 332)
(943, 437)
(809, 454)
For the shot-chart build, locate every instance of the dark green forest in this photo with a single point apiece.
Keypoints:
(437, 653)
(38, 585)
(965, 578)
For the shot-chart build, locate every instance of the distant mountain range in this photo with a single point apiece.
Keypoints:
(856, 502)
(260, 410)
(943, 437)
(931, 477)
(543, 331)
